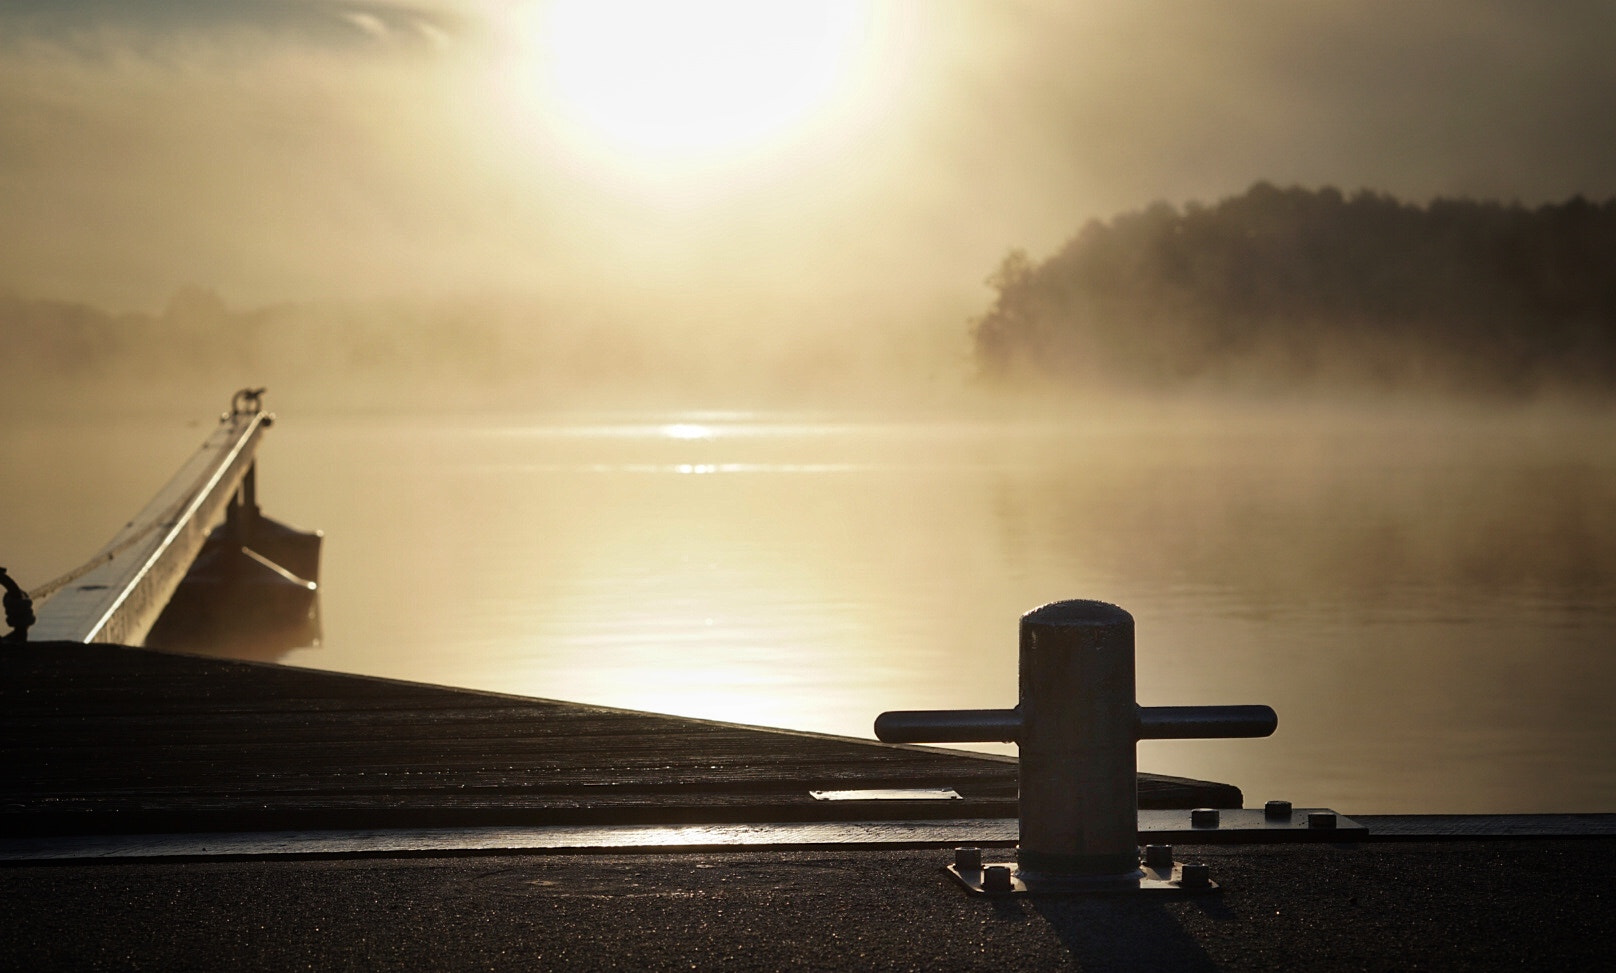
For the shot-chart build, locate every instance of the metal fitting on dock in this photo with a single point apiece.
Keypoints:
(1077, 727)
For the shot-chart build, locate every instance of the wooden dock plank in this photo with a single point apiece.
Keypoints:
(100, 739)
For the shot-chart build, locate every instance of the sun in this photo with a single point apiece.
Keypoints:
(680, 78)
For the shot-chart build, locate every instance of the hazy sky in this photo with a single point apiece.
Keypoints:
(303, 149)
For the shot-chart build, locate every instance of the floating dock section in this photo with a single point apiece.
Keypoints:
(102, 739)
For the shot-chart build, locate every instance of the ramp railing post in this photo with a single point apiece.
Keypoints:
(1077, 727)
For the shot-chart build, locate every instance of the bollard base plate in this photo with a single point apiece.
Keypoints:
(1164, 880)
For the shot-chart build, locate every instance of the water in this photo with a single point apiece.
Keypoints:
(1427, 599)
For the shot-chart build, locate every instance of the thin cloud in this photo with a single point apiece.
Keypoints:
(92, 27)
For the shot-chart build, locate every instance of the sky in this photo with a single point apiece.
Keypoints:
(871, 175)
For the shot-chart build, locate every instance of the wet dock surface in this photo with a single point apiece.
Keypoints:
(1464, 905)
(103, 739)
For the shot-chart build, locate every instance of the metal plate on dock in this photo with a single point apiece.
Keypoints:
(1154, 826)
(556, 838)
(1249, 824)
(890, 794)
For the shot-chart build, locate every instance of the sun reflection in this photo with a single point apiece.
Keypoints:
(687, 430)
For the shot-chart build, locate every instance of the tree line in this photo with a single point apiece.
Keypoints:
(1298, 288)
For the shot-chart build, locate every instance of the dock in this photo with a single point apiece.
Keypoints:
(1532, 904)
(179, 812)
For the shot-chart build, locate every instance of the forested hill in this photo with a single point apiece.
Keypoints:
(1296, 288)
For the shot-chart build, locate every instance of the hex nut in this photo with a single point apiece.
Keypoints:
(1321, 819)
(996, 878)
(1277, 810)
(1159, 856)
(1194, 876)
(968, 859)
(1204, 817)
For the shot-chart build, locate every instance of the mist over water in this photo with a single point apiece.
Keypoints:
(1427, 599)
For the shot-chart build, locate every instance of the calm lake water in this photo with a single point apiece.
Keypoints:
(1428, 599)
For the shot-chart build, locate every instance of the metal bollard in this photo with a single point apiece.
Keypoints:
(1077, 727)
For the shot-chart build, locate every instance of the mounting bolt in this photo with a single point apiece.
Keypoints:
(1321, 819)
(1277, 810)
(996, 878)
(968, 859)
(1194, 876)
(1204, 817)
(1159, 856)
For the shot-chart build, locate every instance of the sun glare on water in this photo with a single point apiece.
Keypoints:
(661, 80)
(687, 430)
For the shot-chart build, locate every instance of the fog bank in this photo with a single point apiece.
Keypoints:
(337, 153)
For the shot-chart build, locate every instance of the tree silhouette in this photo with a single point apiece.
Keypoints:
(1288, 287)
